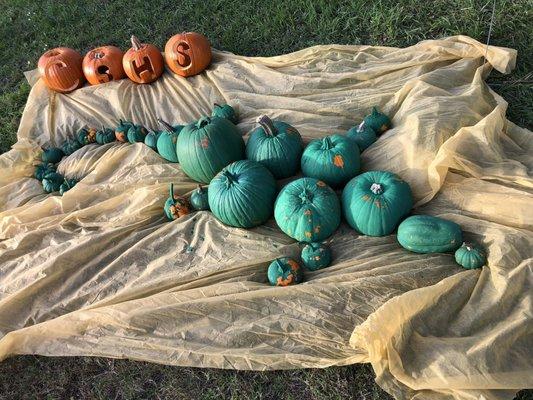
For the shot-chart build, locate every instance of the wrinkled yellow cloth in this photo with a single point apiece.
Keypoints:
(100, 271)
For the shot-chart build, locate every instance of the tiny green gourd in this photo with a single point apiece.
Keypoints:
(316, 256)
(175, 206)
(378, 121)
(225, 111)
(121, 131)
(428, 234)
(151, 139)
(52, 181)
(284, 271)
(70, 146)
(105, 135)
(86, 136)
(42, 169)
(470, 256)
(363, 135)
(136, 134)
(277, 145)
(52, 155)
(167, 141)
(67, 185)
(200, 199)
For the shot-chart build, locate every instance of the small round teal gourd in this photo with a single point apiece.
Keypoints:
(277, 145)
(284, 271)
(52, 182)
(316, 256)
(136, 134)
(429, 234)
(333, 159)
(42, 169)
(166, 143)
(200, 199)
(470, 256)
(242, 194)
(378, 121)
(105, 135)
(86, 136)
(67, 185)
(375, 202)
(208, 145)
(121, 131)
(52, 155)
(363, 135)
(69, 146)
(175, 206)
(307, 210)
(151, 139)
(225, 111)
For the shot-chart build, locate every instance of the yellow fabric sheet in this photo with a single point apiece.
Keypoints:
(100, 272)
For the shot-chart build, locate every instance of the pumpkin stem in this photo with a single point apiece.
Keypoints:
(306, 196)
(135, 43)
(376, 188)
(267, 124)
(327, 143)
(230, 178)
(200, 188)
(375, 111)
(205, 120)
(167, 126)
(217, 105)
(172, 193)
(468, 246)
(361, 127)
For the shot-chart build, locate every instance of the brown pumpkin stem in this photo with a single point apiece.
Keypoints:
(267, 125)
(135, 43)
(167, 126)
(217, 105)
(172, 193)
(200, 188)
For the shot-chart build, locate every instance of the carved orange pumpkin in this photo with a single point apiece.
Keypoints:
(60, 69)
(188, 53)
(103, 64)
(143, 63)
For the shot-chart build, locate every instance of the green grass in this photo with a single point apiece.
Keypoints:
(28, 28)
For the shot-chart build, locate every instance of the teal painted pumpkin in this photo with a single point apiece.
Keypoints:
(242, 194)
(52, 181)
(151, 139)
(136, 134)
(378, 121)
(105, 135)
(375, 202)
(470, 256)
(208, 145)
(86, 136)
(176, 206)
(52, 155)
(225, 111)
(121, 131)
(316, 256)
(428, 234)
(277, 145)
(307, 210)
(284, 271)
(363, 135)
(67, 185)
(333, 159)
(42, 169)
(166, 144)
(70, 146)
(200, 199)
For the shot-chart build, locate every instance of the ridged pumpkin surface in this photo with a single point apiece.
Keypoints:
(167, 141)
(284, 271)
(200, 199)
(428, 234)
(363, 135)
(470, 256)
(316, 256)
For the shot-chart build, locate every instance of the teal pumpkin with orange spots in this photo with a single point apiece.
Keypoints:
(363, 135)
(378, 121)
(121, 131)
(316, 256)
(284, 271)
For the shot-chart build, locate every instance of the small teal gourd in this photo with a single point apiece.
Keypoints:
(284, 271)
(242, 194)
(363, 135)
(378, 121)
(316, 256)
(176, 206)
(136, 134)
(375, 202)
(121, 131)
(105, 135)
(429, 234)
(86, 136)
(200, 199)
(42, 169)
(166, 143)
(225, 111)
(69, 146)
(151, 139)
(333, 159)
(52, 155)
(52, 181)
(277, 145)
(67, 185)
(470, 256)
(307, 210)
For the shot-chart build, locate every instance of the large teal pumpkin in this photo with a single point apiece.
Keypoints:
(363, 135)
(284, 271)
(52, 182)
(378, 121)
(151, 139)
(428, 234)
(52, 155)
(307, 210)
(242, 194)
(277, 145)
(42, 169)
(69, 146)
(470, 256)
(316, 256)
(375, 202)
(225, 111)
(208, 145)
(200, 199)
(105, 135)
(333, 159)
(166, 143)
(69, 183)
(136, 134)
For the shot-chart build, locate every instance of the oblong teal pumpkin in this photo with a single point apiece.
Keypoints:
(242, 194)
(363, 135)
(136, 134)
(121, 131)
(316, 256)
(68, 184)
(52, 182)
(208, 145)
(277, 145)
(166, 143)
(375, 202)
(307, 210)
(470, 256)
(333, 159)
(52, 155)
(70, 146)
(284, 271)
(428, 234)
(105, 135)
(151, 139)
(378, 121)
(225, 111)
(42, 169)
(200, 199)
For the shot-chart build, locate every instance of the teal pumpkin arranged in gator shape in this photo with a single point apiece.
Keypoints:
(375, 202)
(284, 271)
(428, 234)
(70, 146)
(307, 210)
(136, 134)
(334, 159)
(105, 135)
(470, 256)
(377, 121)
(166, 144)
(277, 145)
(200, 199)
(86, 136)
(242, 194)
(67, 185)
(208, 145)
(52, 182)
(316, 256)
(52, 155)
(42, 169)
(363, 135)
(151, 139)
(225, 111)
(121, 131)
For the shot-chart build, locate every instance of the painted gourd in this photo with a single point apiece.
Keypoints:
(188, 53)
(377, 121)
(470, 256)
(103, 64)
(52, 155)
(307, 210)
(136, 134)
(69, 146)
(151, 139)
(176, 206)
(316, 256)
(428, 234)
(143, 63)
(105, 135)
(333, 159)
(166, 144)
(52, 181)
(375, 202)
(61, 69)
(284, 271)
(277, 145)
(363, 135)
(208, 145)
(242, 194)
(121, 131)
(42, 169)
(67, 185)
(225, 111)
(200, 199)
(86, 136)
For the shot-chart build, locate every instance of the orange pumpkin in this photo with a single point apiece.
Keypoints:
(60, 69)
(103, 64)
(143, 63)
(188, 53)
